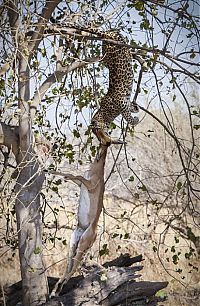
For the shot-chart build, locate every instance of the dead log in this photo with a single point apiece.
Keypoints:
(124, 260)
(115, 285)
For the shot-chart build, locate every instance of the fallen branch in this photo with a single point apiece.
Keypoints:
(100, 286)
(124, 260)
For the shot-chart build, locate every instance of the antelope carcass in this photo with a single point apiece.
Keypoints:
(90, 207)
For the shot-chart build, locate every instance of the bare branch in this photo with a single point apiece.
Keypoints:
(9, 137)
(182, 69)
(39, 29)
(13, 15)
(5, 68)
(5, 162)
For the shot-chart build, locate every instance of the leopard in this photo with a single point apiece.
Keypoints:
(117, 57)
(117, 101)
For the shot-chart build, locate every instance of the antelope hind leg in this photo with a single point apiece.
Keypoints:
(75, 238)
(85, 242)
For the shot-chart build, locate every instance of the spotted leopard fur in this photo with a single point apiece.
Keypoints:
(118, 59)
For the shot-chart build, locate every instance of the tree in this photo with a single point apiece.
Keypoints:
(48, 60)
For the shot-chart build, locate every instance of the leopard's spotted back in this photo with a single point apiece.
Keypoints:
(118, 59)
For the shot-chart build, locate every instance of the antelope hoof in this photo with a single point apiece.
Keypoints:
(52, 295)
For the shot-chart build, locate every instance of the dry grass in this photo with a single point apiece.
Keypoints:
(134, 220)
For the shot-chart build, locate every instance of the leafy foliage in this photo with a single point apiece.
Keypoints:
(64, 98)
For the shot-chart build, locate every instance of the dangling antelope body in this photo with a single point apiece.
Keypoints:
(90, 207)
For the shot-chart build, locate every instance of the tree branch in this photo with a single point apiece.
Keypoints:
(137, 49)
(88, 34)
(9, 137)
(40, 27)
(13, 16)
(57, 77)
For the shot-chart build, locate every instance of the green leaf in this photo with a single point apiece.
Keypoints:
(114, 235)
(175, 259)
(187, 255)
(173, 249)
(55, 189)
(37, 250)
(43, 52)
(161, 294)
(131, 178)
(54, 91)
(192, 55)
(154, 12)
(2, 83)
(53, 57)
(191, 236)
(139, 5)
(123, 214)
(155, 248)
(104, 250)
(112, 126)
(58, 182)
(196, 126)
(76, 134)
(145, 25)
(51, 167)
(176, 239)
(126, 236)
(179, 185)
(143, 188)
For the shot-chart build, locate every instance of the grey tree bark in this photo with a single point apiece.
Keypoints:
(29, 176)
(28, 185)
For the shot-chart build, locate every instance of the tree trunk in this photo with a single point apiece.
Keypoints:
(28, 187)
(34, 283)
